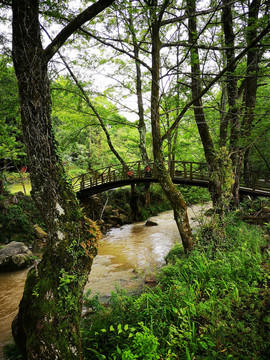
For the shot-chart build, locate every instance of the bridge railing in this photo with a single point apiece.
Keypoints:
(256, 180)
(189, 170)
(178, 170)
(137, 170)
(110, 174)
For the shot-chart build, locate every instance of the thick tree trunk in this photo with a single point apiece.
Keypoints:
(173, 195)
(251, 84)
(48, 323)
(232, 93)
(238, 130)
(134, 203)
(218, 184)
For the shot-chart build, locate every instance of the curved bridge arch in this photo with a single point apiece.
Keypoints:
(182, 172)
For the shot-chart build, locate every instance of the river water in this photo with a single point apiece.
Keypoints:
(126, 255)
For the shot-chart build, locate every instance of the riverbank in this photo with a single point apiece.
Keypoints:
(212, 304)
(126, 255)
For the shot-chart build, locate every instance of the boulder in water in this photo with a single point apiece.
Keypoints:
(150, 223)
(15, 256)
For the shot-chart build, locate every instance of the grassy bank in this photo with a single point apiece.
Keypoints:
(212, 304)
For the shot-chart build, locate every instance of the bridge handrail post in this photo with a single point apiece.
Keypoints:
(109, 174)
(139, 169)
(123, 172)
(254, 180)
(82, 184)
(190, 171)
(201, 170)
(185, 169)
(172, 169)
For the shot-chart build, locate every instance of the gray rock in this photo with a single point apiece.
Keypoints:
(15, 256)
(114, 220)
(150, 223)
(108, 209)
(123, 218)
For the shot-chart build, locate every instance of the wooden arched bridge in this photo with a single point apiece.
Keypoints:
(182, 172)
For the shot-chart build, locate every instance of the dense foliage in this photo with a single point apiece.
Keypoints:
(11, 144)
(18, 215)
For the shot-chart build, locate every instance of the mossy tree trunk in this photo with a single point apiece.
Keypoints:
(251, 86)
(232, 95)
(241, 130)
(173, 195)
(48, 322)
(219, 164)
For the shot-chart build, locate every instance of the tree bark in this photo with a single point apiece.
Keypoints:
(218, 184)
(251, 84)
(173, 195)
(232, 94)
(48, 323)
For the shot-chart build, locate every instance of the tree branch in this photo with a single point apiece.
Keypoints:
(73, 26)
(198, 13)
(204, 91)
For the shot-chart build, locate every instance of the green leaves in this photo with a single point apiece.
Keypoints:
(11, 145)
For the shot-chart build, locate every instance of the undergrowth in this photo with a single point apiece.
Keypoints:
(17, 216)
(210, 304)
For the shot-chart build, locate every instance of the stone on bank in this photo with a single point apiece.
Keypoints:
(15, 256)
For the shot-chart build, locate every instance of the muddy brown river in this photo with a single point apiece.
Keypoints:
(125, 256)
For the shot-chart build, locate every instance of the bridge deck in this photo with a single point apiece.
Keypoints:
(182, 172)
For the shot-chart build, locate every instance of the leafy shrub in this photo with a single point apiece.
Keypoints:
(194, 194)
(17, 219)
(11, 352)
